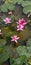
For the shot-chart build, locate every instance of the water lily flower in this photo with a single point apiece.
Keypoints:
(0, 32)
(22, 22)
(7, 20)
(14, 38)
(10, 13)
(20, 27)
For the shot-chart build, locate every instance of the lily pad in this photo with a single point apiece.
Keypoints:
(4, 56)
(22, 50)
(7, 6)
(2, 42)
(27, 9)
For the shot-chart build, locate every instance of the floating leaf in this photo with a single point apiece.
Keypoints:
(29, 45)
(5, 54)
(7, 6)
(22, 50)
(2, 42)
(4, 7)
(27, 9)
(20, 60)
(14, 1)
(1, 50)
(26, 3)
(11, 7)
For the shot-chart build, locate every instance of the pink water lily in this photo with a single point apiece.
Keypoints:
(14, 38)
(7, 20)
(10, 13)
(0, 32)
(20, 27)
(22, 22)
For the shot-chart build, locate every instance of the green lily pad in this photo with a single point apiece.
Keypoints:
(5, 54)
(4, 7)
(20, 60)
(26, 3)
(27, 9)
(1, 50)
(2, 42)
(11, 7)
(22, 50)
(7, 6)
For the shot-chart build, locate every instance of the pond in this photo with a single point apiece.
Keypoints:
(15, 32)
